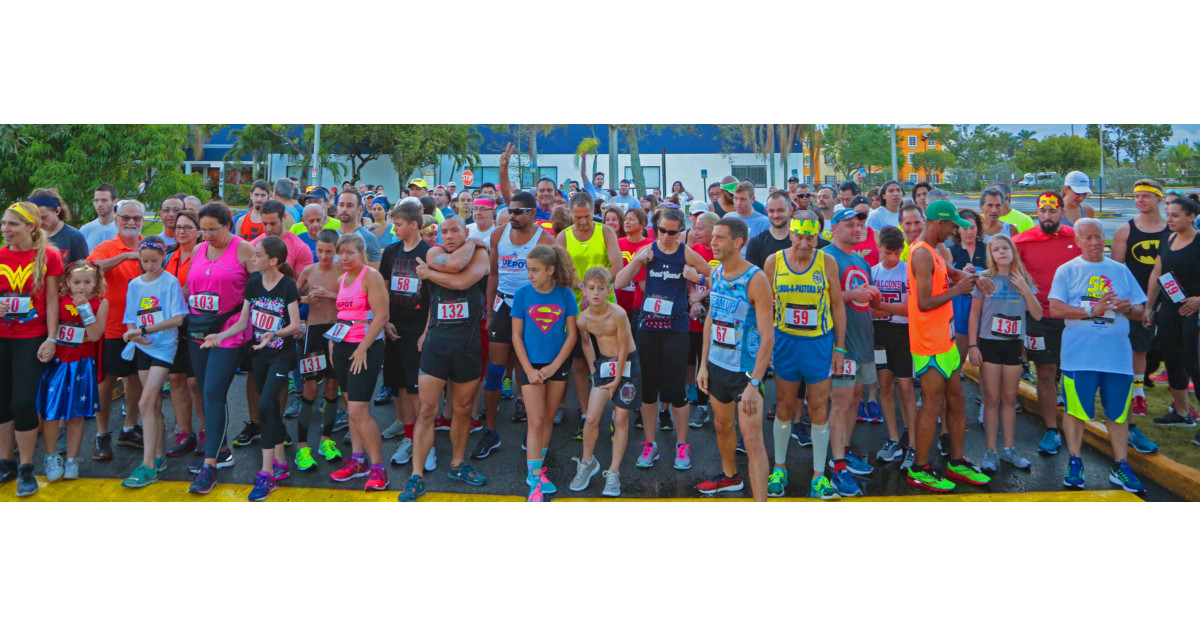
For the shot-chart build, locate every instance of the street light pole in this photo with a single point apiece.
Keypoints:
(316, 169)
(895, 171)
(1101, 167)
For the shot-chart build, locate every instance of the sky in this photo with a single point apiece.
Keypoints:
(1189, 132)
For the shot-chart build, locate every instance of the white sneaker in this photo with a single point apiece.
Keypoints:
(403, 453)
(431, 460)
(612, 483)
(54, 468)
(981, 407)
(393, 430)
(71, 470)
(584, 472)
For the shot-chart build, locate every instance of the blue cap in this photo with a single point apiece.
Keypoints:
(847, 213)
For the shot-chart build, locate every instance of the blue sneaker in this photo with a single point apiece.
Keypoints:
(1074, 477)
(1140, 442)
(414, 488)
(691, 393)
(264, 485)
(822, 488)
(802, 432)
(1123, 477)
(205, 480)
(874, 412)
(506, 389)
(862, 412)
(548, 487)
(857, 465)
(845, 484)
(1051, 442)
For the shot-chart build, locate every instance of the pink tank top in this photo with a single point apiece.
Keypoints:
(219, 285)
(353, 305)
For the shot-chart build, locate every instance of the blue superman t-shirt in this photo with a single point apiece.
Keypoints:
(545, 317)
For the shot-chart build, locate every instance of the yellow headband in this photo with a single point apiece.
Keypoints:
(1148, 188)
(805, 227)
(21, 211)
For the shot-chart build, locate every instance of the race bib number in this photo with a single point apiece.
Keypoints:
(18, 304)
(655, 305)
(881, 356)
(70, 335)
(152, 316)
(338, 332)
(209, 303)
(849, 368)
(800, 317)
(265, 321)
(1006, 326)
(608, 370)
(1109, 316)
(725, 334)
(496, 305)
(456, 311)
(1171, 287)
(1035, 343)
(405, 285)
(313, 363)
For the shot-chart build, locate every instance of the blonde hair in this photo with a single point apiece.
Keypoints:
(37, 239)
(83, 265)
(564, 268)
(1017, 266)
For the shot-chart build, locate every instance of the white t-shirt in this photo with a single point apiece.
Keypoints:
(474, 232)
(881, 217)
(1096, 344)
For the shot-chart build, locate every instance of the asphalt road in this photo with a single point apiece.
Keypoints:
(505, 468)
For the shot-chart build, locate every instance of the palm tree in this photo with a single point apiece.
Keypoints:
(1024, 135)
(256, 140)
(1181, 157)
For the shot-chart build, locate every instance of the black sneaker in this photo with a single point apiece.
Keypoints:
(26, 482)
(944, 445)
(287, 438)
(132, 438)
(249, 434)
(489, 441)
(8, 470)
(183, 444)
(664, 420)
(1172, 419)
(578, 435)
(103, 450)
(519, 413)
(741, 447)
(341, 422)
(293, 408)
(224, 460)
(384, 397)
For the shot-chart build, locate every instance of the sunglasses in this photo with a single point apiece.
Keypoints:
(516, 211)
(670, 232)
(804, 196)
(129, 218)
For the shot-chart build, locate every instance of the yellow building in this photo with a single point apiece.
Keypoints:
(912, 140)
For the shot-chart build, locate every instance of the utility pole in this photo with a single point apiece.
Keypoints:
(895, 170)
(612, 156)
(316, 168)
(1101, 167)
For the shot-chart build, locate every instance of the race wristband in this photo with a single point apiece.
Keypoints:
(840, 350)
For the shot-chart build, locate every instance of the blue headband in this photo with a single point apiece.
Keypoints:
(45, 201)
(151, 244)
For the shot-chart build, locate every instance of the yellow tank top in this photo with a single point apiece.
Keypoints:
(585, 255)
(801, 300)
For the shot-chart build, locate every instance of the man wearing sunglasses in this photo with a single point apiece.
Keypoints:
(800, 194)
(118, 260)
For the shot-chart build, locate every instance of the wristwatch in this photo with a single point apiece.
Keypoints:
(143, 328)
(755, 382)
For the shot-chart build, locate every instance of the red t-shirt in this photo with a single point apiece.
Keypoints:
(67, 314)
(1043, 254)
(116, 280)
(707, 254)
(631, 299)
(16, 278)
(868, 249)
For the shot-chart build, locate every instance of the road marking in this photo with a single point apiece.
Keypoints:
(110, 490)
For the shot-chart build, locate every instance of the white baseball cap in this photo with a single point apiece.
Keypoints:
(697, 207)
(1078, 182)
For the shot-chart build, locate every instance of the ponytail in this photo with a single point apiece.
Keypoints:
(29, 214)
(276, 249)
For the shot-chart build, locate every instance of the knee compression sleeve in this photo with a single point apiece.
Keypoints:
(495, 377)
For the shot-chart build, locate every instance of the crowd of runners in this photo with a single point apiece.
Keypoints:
(862, 307)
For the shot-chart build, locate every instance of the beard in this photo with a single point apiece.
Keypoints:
(1049, 228)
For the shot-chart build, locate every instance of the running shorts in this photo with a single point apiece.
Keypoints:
(945, 363)
(892, 349)
(114, 364)
(1005, 352)
(1043, 339)
(315, 342)
(727, 386)
(357, 386)
(1080, 388)
(628, 393)
(559, 376)
(802, 359)
(401, 363)
(458, 362)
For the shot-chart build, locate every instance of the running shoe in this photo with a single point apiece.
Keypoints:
(184, 443)
(71, 469)
(466, 474)
(584, 472)
(777, 483)
(1122, 475)
(341, 421)
(874, 412)
(205, 480)
(890, 451)
(991, 461)
(844, 482)
(1139, 407)
(441, 424)
(967, 472)
(769, 416)
(862, 412)
(944, 445)
(1160, 378)
(1139, 441)
(431, 460)
(8, 470)
(683, 457)
(822, 488)
(1051, 442)
(293, 408)
(664, 420)
(54, 468)
(393, 430)
(304, 460)
(199, 451)
(264, 485)
(560, 414)
(578, 433)
(404, 453)
(131, 438)
(699, 418)
(536, 494)
(519, 413)
(377, 479)
(720, 483)
(548, 487)
(1027, 374)
(1074, 477)
(637, 418)
(1191, 410)
(802, 432)
(612, 484)
(506, 389)
(160, 464)
(928, 479)
(857, 465)
(414, 488)
(280, 470)
(1174, 419)
(330, 450)
(1013, 457)
(476, 425)
(26, 482)
(910, 455)
(649, 455)
(489, 441)
(383, 398)
(770, 373)
(224, 460)
(166, 390)
(249, 434)
(103, 449)
(741, 447)
(352, 469)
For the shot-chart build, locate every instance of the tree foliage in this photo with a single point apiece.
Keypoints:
(1058, 153)
(1138, 141)
(416, 146)
(932, 161)
(854, 146)
(973, 147)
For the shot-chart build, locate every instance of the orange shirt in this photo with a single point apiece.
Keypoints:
(932, 332)
(116, 281)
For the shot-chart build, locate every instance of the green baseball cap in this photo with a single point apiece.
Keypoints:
(942, 209)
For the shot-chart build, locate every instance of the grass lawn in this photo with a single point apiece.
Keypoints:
(1173, 442)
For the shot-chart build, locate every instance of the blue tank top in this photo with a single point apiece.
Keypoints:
(733, 344)
(666, 304)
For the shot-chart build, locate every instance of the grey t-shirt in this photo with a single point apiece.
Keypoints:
(1005, 302)
(374, 251)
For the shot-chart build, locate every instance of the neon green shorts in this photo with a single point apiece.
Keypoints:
(946, 362)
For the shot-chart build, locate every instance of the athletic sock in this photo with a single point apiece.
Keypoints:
(544, 449)
(783, 433)
(820, 444)
(377, 467)
(361, 458)
(535, 469)
(329, 416)
(408, 431)
(839, 465)
(1139, 385)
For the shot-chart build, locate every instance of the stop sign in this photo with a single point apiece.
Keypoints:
(468, 177)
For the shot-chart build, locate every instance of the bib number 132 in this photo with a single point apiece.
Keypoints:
(452, 311)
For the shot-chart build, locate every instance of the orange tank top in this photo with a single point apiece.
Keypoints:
(932, 332)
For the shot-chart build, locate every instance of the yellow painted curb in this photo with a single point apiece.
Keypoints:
(1178, 478)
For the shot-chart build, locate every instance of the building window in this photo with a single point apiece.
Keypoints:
(484, 175)
(912, 141)
(808, 179)
(912, 178)
(830, 179)
(908, 158)
(757, 174)
(935, 179)
(807, 160)
(932, 144)
(652, 175)
(549, 172)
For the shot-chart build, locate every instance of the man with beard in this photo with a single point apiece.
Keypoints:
(349, 211)
(249, 225)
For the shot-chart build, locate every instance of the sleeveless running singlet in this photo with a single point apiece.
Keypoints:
(801, 301)
(1140, 250)
(586, 254)
(510, 264)
(249, 230)
(665, 306)
(1184, 266)
(454, 315)
(734, 342)
(353, 305)
(930, 333)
